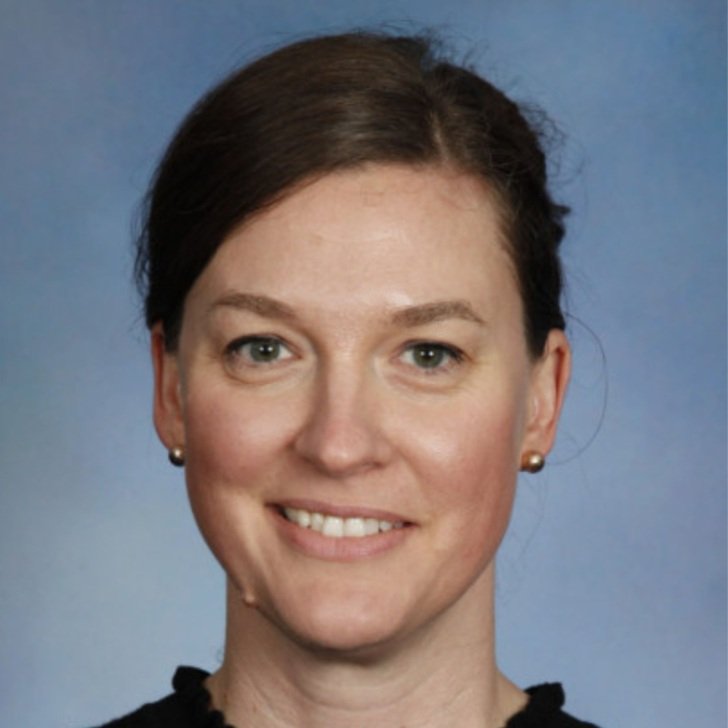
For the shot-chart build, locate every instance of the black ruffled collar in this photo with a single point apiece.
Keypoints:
(544, 703)
(189, 685)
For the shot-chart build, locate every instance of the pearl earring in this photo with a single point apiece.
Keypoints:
(177, 456)
(533, 461)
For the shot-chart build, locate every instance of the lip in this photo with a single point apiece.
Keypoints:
(316, 545)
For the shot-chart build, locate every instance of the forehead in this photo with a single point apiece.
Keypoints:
(379, 197)
(407, 235)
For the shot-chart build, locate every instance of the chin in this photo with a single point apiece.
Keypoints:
(354, 623)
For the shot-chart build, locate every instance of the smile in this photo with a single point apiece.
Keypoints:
(337, 526)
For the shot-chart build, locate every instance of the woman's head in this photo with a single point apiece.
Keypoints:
(346, 243)
(336, 103)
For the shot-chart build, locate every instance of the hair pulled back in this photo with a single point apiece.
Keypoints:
(333, 103)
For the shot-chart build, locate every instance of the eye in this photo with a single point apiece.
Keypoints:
(256, 350)
(431, 356)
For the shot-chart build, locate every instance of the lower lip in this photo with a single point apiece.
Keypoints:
(313, 543)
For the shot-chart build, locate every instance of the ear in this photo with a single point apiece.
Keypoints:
(168, 419)
(549, 380)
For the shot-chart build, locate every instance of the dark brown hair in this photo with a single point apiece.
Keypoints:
(332, 103)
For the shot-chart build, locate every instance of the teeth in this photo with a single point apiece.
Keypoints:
(333, 526)
(354, 527)
(371, 526)
(336, 527)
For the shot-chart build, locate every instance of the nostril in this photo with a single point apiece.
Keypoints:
(335, 447)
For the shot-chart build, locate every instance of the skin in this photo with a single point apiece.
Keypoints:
(345, 278)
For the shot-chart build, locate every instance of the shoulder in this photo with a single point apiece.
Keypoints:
(545, 710)
(187, 707)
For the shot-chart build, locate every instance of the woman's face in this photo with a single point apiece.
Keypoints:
(354, 394)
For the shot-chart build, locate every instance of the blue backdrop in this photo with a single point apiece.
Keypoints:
(613, 574)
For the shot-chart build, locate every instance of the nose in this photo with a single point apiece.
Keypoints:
(343, 434)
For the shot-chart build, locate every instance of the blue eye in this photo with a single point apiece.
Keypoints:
(259, 349)
(431, 356)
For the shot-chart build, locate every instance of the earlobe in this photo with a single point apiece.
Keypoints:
(168, 419)
(549, 381)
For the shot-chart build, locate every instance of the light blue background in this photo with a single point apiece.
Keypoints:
(612, 578)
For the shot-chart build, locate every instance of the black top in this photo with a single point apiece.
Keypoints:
(189, 707)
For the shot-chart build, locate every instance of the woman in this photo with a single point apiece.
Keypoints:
(352, 285)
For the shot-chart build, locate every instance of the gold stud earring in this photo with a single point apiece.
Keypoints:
(533, 461)
(177, 456)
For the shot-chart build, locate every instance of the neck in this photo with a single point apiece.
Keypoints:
(443, 674)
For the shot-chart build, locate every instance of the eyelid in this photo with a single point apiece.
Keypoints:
(455, 356)
(232, 350)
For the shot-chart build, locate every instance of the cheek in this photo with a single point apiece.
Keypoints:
(471, 465)
(234, 448)
(472, 443)
(231, 437)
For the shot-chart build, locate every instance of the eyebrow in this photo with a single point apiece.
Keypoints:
(260, 305)
(408, 316)
(427, 313)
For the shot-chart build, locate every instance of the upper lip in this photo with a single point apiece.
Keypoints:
(342, 511)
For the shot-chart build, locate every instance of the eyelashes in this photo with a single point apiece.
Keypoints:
(262, 353)
(258, 350)
(431, 357)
